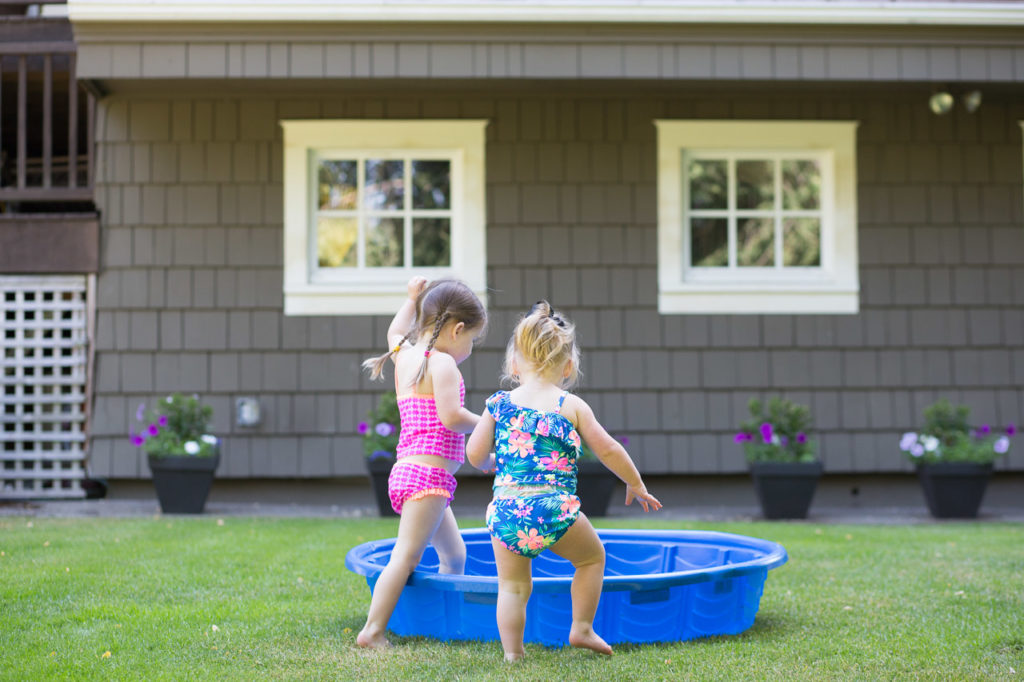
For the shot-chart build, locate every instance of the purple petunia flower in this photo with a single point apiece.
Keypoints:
(162, 421)
(138, 440)
(784, 440)
(140, 412)
(363, 428)
(917, 449)
(381, 454)
(766, 432)
(384, 429)
(153, 429)
(624, 440)
(801, 437)
(984, 430)
(1010, 429)
(741, 437)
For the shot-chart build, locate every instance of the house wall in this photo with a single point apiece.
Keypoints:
(190, 294)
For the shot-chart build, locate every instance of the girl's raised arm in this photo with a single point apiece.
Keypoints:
(406, 315)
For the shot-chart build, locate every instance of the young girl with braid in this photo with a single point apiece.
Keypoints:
(429, 337)
(535, 432)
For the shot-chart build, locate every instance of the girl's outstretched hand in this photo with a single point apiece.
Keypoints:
(647, 500)
(415, 286)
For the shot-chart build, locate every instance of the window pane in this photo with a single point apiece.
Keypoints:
(431, 242)
(336, 242)
(384, 184)
(384, 243)
(708, 184)
(755, 242)
(709, 242)
(338, 185)
(431, 184)
(755, 186)
(801, 242)
(801, 185)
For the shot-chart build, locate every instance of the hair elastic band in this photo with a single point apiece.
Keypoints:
(426, 353)
(396, 348)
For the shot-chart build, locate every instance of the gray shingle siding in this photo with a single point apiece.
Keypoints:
(190, 294)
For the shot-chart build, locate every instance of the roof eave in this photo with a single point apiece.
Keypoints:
(891, 13)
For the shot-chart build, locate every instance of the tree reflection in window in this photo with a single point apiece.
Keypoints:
(364, 209)
(764, 206)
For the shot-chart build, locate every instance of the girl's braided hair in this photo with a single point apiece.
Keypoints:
(545, 340)
(440, 302)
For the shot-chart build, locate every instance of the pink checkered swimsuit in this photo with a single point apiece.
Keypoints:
(422, 430)
(423, 433)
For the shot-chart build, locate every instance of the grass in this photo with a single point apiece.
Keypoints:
(941, 601)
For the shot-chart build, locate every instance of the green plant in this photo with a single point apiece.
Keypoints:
(776, 432)
(948, 437)
(382, 427)
(175, 426)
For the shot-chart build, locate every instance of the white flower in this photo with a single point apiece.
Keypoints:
(917, 449)
(776, 440)
(207, 438)
(930, 443)
(908, 440)
(168, 400)
(1001, 445)
(192, 447)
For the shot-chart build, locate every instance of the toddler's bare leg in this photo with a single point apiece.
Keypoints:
(451, 548)
(583, 548)
(420, 518)
(514, 586)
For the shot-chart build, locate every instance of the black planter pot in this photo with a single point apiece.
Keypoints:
(785, 489)
(183, 482)
(379, 469)
(594, 486)
(954, 490)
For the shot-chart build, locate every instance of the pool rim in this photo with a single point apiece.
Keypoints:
(775, 556)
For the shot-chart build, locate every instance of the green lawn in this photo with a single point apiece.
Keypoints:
(178, 599)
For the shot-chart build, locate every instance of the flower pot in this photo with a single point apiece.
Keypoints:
(379, 469)
(594, 486)
(785, 489)
(953, 490)
(182, 482)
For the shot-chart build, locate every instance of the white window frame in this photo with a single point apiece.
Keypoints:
(833, 287)
(309, 290)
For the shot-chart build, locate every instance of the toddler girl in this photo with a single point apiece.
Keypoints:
(535, 432)
(429, 337)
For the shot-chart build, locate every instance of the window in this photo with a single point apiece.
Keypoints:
(369, 203)
(757, 217)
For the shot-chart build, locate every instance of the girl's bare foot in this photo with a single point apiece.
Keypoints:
(586, 638)
(372, 640)
(514, 657)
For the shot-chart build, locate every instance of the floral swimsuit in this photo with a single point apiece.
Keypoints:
(535, 499)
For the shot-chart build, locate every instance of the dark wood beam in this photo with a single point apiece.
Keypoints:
(60, 243)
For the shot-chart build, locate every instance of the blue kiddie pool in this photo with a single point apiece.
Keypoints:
(659, 586)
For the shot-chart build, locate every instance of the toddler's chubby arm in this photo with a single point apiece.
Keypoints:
(445, 376)
(612, 454)
(406, 315)
(481, 443)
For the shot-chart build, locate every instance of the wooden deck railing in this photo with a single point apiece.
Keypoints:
(44, 176)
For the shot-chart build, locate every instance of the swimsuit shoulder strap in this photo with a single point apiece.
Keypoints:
(561, 399)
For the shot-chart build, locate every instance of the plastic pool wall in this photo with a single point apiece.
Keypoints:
(660, 586)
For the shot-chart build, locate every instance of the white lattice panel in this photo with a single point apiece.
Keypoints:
(43, 388)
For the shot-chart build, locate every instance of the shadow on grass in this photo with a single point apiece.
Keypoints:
(765, 629)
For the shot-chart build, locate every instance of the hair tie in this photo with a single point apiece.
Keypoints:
(426, 353)
(396, 348)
